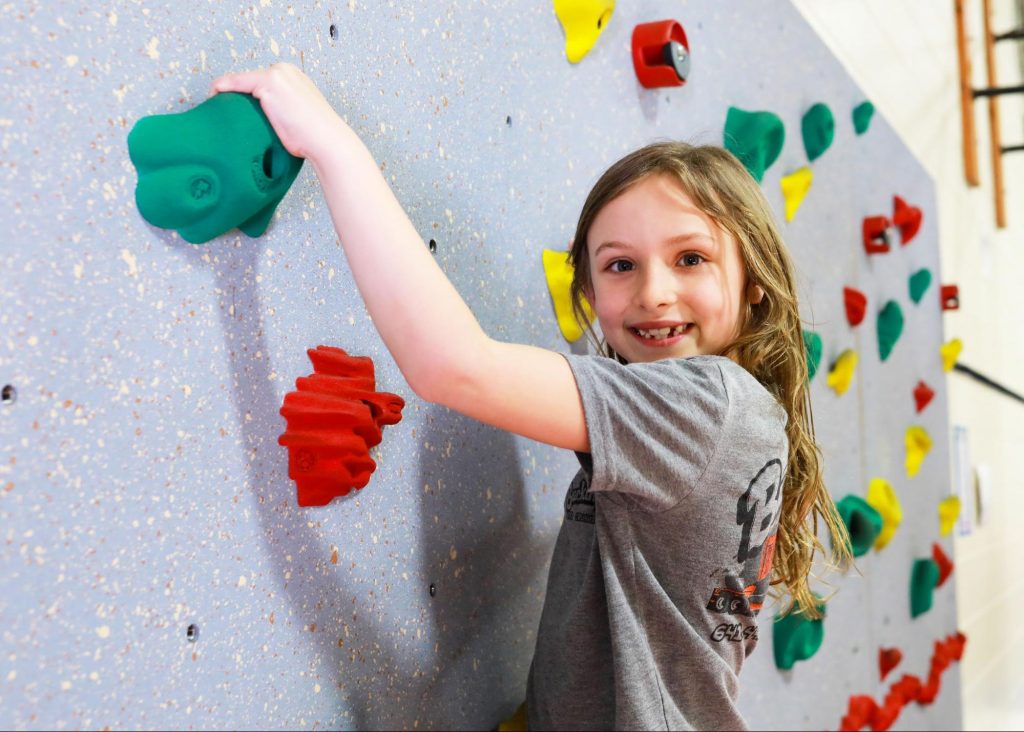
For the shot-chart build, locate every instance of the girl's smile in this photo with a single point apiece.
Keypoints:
(659, 335)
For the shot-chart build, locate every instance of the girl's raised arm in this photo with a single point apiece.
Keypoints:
(436, 341)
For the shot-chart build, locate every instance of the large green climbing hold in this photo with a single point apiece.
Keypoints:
(890, 327)
(796, 638)
(813, 345)
(819, 129)
(863, 523)
(924, 577)
(218, 166)
(919, 283)
(862, 114)
(755, 138)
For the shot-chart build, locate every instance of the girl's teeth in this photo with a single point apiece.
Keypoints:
(659, 333)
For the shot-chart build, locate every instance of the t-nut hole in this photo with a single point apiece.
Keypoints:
(8, 394)
(432, 245)
(192, 633)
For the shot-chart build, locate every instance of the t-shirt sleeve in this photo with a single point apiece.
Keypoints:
(653, 427)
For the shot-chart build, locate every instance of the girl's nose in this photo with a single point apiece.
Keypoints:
(656, 287)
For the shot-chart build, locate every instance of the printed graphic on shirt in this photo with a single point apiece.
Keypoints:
(757, 512)
(579, 501)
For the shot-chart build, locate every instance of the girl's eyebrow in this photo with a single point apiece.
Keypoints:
(691, 236)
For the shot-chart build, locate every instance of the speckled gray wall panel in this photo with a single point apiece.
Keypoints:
(142, 489)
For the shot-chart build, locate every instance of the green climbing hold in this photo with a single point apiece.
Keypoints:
(863, 523)
(796, 638)
(819, 129)
(813, 345)
(919, 283)
(755, 138)
(890, 328)
(924, 577)
(862, 114)
(218, 166)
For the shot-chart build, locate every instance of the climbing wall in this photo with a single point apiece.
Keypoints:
(155, 569)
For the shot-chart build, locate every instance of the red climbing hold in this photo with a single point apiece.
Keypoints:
(907, 218)
(888, 659)
(661, 54)
(333, 419)
(922, 395)
(944, 562)
(856, 305)
(876, 239)
(950, 295)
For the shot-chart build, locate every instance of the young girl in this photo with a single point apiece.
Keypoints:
(700, 481)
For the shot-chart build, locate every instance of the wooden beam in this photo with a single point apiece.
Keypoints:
(996, 144)
(970, 141)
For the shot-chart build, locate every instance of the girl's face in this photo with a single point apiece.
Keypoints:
(667, 282)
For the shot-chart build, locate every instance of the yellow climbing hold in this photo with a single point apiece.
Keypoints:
(949, 511)
(950, 353)
(918, 444)
(582, 21)
(841, 375)
(882, 498)
(794, 188)
(558, 271)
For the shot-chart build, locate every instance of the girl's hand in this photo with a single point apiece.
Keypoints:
(301, 117)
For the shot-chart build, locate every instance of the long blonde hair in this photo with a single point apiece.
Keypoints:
(770, 345)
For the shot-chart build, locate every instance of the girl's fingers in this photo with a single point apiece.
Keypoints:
(246, 82)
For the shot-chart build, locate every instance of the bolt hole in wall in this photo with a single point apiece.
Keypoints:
(8, 394)
(192, 633)
(432, 245)
(333, 31)
(433, 589)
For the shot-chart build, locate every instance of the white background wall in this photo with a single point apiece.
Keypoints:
(903, 55)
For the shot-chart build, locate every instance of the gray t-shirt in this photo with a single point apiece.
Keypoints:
(665, 551)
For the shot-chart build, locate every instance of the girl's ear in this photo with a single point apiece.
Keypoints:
(754, 294)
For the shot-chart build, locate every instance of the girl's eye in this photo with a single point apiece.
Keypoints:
(625, 266)
(691, 260)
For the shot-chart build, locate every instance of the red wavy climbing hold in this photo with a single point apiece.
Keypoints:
(888, 659)
(944, 562)
(876, 240)
(863, 711)
(907, 218)
(856, 305)
(922, 395)
(333, 419)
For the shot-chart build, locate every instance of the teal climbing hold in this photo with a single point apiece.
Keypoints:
(890, 328)
(862, 114)
(755, 138)
(863, 523)
(218, 166)
(796, 638)
(819, 129)
(813, 345)
(924, 577)
(919, 283)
